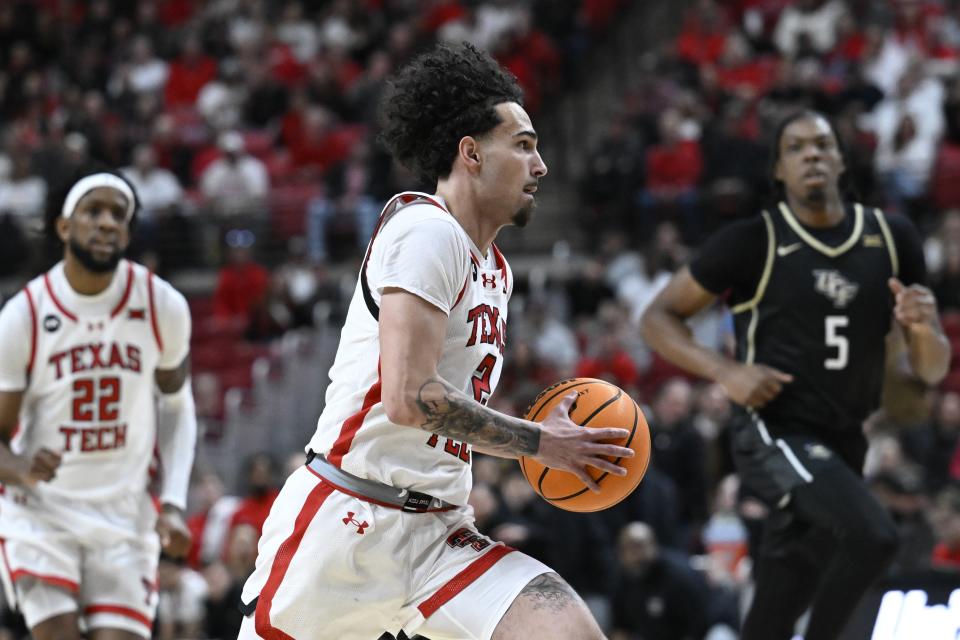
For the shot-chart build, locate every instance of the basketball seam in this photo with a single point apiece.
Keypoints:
(640, 475)
(603, 474)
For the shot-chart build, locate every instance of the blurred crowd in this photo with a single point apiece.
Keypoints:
(240, 113)
(248, 128)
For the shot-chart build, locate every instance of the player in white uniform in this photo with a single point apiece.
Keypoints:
(373, 534)
(93, 378)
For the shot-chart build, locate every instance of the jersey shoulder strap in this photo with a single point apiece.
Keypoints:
(393, 206)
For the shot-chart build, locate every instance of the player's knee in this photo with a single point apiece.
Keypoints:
(61, 627)
(548, 607)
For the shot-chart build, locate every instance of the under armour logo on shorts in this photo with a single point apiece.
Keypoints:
(351, 520)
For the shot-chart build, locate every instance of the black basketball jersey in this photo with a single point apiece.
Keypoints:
(821, 313)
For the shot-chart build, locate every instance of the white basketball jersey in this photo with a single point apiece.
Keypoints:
(418, 246)
(90, 382)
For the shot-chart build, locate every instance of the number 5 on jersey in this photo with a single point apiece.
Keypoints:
(832, 325)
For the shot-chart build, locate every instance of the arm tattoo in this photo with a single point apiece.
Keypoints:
(450, 413)
(549, 591)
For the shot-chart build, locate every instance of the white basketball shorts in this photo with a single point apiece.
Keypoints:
(96, 559)
(333, 566)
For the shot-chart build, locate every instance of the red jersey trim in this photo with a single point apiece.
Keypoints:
(153, 313)
(463, 290)
(462, 580)
(126, 292)
(33, 332)
(502, 263)
(56, 301)
(281, 562)
(360, 496)
(352, 424)
(127, 612)
(57, 581)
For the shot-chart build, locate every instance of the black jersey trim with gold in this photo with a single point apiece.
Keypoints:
(888, 237)
(826, 250)
(751, 305)
(767, 268)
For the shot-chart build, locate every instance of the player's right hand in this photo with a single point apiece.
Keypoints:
(753, 385)
(41, 468)
(567, 446)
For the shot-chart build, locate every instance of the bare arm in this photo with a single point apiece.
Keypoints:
(928, 349)
(14, 469)
(411, 343)
(171, 380)
(412, 333)
(664, 328)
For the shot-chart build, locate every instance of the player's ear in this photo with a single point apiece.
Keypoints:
(62, 226)
(778, 171)
(469, 152)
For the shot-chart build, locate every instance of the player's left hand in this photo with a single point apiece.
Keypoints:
(915, 305)
(175, 537)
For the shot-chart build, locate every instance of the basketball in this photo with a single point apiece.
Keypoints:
(600, 404)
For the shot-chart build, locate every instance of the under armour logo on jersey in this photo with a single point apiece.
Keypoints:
(137, 314)
(351, 520)
(489, 280)
(832, 284)
(95, 326)
(150, 587)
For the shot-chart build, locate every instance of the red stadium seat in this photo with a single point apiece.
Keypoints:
(258, 143)
(945, 186)
(288, 208)
(952, 381)
(951, 323)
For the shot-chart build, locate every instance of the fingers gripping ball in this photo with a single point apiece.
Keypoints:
(600, 404)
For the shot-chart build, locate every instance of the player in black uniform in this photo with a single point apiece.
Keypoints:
(812, 283)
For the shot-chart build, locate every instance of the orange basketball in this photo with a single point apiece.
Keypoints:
(600, 404)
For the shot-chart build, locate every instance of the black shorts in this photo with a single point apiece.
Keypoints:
(772, 466)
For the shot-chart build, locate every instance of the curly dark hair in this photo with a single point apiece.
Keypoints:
(439, 97)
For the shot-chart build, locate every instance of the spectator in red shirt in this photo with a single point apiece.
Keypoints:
(188, 73)
(210, 523)
(261, 490)
(242, 283)
(439, 13)
(704, 34)
(606, 357)
(945, 521)
(673, 169)
(320, 144)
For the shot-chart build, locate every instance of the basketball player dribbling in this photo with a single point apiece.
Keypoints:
(93, 375)
(373, 534)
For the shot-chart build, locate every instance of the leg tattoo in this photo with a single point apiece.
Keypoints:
(549, 591)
